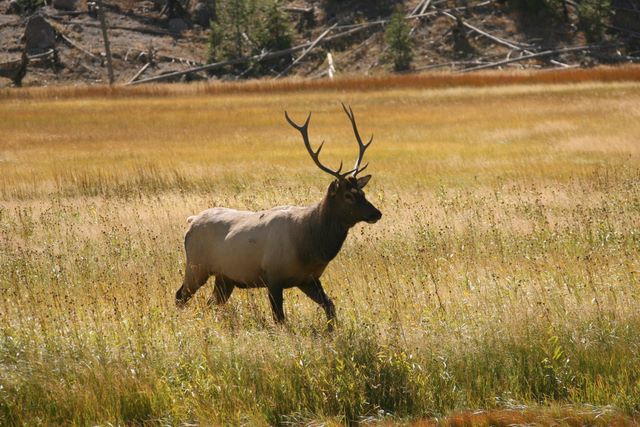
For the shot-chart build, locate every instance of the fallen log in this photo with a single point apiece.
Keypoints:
(534, 55)
(16, 23)
(169, 58)
(452, 9)
(416, 9)
(294, 9)
(139, 73)
(425, 6)
(46, 54)
(448, 64)
(142, 30)
(216, 65)
(74, 45)
(496, 39)
(306, 51)
(422, 15)
(68, 41)
(499, 40)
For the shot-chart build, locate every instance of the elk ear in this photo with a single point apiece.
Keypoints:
(333, 188)
(363, 181)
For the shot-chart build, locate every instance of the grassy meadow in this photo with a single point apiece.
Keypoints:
(501, 286)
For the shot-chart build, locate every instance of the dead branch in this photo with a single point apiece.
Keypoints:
(449, 64)
(160, 58)
(510, 44)
(307, 50)
(534, 55)
(416, 9)
(60, 14)
(425, 6)
(43, 55)
(139, 73)
(170, 58)
(74, 45)
(507, 43)
(15, 23)
(293, 9)
(452, 9)
(70, 42)
(142, 30)
(420, 8)
(422, 15)
(89, 69)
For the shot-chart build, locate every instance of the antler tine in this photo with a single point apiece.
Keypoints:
(361, 169)
(315, 154)
(362, 147)
(295, 125)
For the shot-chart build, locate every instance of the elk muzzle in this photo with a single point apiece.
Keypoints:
(374, 216)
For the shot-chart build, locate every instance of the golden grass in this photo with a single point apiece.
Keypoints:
(505, 271)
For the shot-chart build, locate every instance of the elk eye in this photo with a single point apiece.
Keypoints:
(349, 197)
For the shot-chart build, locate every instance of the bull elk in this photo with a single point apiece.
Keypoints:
(279, 248)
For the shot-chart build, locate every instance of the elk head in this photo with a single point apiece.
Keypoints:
(345, 198)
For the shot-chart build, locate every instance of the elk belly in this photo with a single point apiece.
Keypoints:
(241, 257)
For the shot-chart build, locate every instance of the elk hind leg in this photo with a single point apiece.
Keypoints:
(276, 299)
(194, 277)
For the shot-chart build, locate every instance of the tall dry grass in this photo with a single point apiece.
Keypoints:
(426, 80)
(504, 275)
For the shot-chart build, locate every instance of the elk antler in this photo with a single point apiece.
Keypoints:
(362, 147)
(315, 154)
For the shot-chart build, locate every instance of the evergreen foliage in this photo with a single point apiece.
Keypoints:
(30, 5)
(549, 8)
(248, 27)
(398, 40)
(594, 15)
(274, 33)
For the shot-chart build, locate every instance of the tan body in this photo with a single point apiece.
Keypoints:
(279, 248)
(253, 248)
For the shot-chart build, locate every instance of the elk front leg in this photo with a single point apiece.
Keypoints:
(276, 300)
(313, 289)
(222, 290)
(194, 277)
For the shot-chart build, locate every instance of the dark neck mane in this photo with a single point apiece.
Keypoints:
(326, 233)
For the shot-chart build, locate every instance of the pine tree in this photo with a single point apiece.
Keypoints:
(399, 41)
(230, 31)
(248, 27)
(593, 16)
(275, 33)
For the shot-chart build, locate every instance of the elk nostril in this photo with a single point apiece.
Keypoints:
(374, 217)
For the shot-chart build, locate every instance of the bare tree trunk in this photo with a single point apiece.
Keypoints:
(107, 47)
(22, 70)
